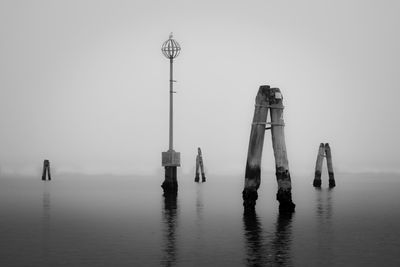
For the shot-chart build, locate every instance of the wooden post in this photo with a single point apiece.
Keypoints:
(46, 170)
(199, 165)
(203, 176)
(268, 98)
(197, 177)
(330, 166)
(318, 165)
(284, 195)
(256, 143)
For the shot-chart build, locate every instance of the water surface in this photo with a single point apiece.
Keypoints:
(77, 220)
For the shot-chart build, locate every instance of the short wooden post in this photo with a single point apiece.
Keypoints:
(318, 165)
(284, 195)
(330, 166)
(254, 153)
(46, 170)
(199, 166)
(197, 177)
(203, 176)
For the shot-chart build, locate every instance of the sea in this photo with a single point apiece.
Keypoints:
(106, 220)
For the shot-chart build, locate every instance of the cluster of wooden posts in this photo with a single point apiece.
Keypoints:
(267, 99)
(46, 170)
(324, 151)
(271, 99)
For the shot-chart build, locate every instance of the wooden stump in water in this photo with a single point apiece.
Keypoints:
(284, 195)
(46, 170)
(330, 166)
(267, 98)
(197, 177)
(203, 176)
(318, 165)
(199, 166)
(256, 143)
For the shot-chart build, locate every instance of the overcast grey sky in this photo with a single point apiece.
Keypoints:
(84, 83)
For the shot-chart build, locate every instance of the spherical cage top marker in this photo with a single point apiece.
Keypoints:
(171, 48)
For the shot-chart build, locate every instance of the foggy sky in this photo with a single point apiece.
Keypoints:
(84, 83)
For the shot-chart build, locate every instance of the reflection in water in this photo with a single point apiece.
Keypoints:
(282, 240)
(46, 212)
(267, 250)
(199, 205)
(253, 234)
(170, 223)
(199, 245)
(324, 204)
(324, 227)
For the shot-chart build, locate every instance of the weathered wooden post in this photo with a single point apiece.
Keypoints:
(203, 176)
(284, 195)
(330, 166)
(197, 177)
(46, 170)
(256, 143)
(199, 165)
(318, 165)
(268, 98)
(170, 158)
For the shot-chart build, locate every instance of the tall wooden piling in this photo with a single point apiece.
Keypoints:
(268, 98)
(46, 170)
(330, 166)
(318, 165)
(284, 195)
(256, 143)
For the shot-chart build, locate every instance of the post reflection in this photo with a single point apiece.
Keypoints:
(199, 205)
(324, 212)
(282, 240)
(324, 204)
(170, 212)
(268, 250)
(46, 213)
(255, 256)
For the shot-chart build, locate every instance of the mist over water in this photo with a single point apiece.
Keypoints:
(125, 221)
(85, 85)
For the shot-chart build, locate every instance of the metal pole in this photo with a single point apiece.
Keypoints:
(171, 110)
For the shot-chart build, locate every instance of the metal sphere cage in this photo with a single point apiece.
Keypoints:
(171, 48)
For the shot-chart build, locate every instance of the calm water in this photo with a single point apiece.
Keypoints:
(125, 221)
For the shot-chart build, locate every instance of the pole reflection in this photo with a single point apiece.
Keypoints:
(170, 213)
(267, 250)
